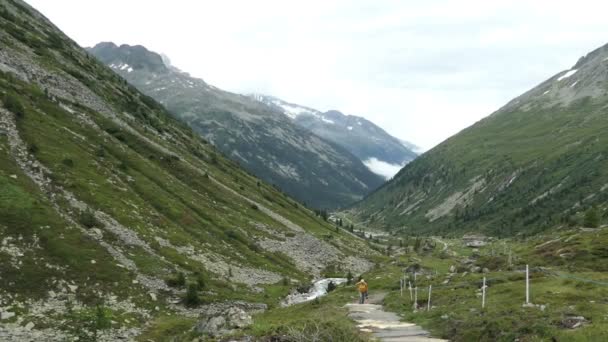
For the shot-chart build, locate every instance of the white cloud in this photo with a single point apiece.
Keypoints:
(382, 168)
(422, 70)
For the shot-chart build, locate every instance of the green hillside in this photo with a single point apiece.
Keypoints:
(113, 215)
(539, 162)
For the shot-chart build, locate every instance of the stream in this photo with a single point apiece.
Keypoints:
(318, 289)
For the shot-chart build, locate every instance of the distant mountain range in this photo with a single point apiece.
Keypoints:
(541, 161)
(259, 137)
(379, 151)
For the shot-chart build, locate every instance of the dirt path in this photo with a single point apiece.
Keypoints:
(386, 326)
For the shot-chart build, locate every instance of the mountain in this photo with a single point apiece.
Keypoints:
(261, 139)
(117, 220)
(377, 149)
(539, 162)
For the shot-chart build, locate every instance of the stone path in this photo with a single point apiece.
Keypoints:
(386, 326)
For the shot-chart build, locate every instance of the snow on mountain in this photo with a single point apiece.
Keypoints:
(382, 153)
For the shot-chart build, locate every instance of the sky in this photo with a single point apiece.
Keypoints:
(422, 70)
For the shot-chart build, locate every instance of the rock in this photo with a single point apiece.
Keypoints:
(573, 322)
(6, 315)
(13, 176)
(452, 269)
(93, 262)
(485, 270)
(475, 269)
(153, 296)
(29, 326)
(73, 288)
(224, 323)
(211, 327)
(444, 316)
(52, 294)
(238, 318)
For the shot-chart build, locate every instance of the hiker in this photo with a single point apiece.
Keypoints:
(362, 286)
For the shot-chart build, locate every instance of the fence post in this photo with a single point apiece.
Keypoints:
(409, 285)
(416, 298)
(483, 294)
(428, 305)
(527, 285)
(401, 286)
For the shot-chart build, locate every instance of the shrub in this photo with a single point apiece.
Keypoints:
(592, 218)
(12, 104)
(331, 286)
(68, 162)
(192, 298)
(254, 207)
(33, 148)
(87, 218)
(177, 280)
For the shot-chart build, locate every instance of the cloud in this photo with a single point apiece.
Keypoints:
(382, 168)
(421, 70)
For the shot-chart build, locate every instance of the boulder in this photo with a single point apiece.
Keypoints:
(224, 323)
(573, 322)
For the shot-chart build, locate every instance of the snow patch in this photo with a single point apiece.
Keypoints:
(129, 69)
(382, 168)
(350, 128)
(573, 84)
(124, 66)
(567, 74)
(331, 122)
(545, 93)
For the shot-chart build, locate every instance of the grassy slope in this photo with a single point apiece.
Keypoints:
(115, 170)
(539, 149)
(573, 284)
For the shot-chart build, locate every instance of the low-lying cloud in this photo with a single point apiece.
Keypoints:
(382, 168)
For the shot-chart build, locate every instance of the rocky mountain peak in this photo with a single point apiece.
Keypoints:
(128, 57)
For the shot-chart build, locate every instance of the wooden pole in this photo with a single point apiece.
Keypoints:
(527, 285)
(428, 305)
(483, 293)
(401, 286)
(416, 298)
(409, 285)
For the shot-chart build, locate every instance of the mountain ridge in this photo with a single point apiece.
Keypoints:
(264, 141)
(360, 136)
(536, 163)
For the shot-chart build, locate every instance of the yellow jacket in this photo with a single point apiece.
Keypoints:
(362, 286)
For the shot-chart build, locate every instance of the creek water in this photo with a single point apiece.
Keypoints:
(318, 289)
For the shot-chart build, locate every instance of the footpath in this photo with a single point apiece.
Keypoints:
(386, 326)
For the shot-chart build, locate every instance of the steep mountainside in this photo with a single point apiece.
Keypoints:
(538, 162)
(106, 201)
(361, 137)
(259, 138)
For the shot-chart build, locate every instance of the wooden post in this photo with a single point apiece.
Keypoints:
(483, 294)
(416, 298)
(527, 285)
(428, 305)
(401, 286)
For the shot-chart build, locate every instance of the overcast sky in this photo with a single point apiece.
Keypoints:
(422, 70)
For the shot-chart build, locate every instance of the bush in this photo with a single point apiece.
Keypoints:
(191, 298)
(87, 218)
(592, 218)
(12, 104)
(68, 162)
(331, 286)
(177, 280)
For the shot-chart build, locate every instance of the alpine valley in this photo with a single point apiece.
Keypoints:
(311, 167)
